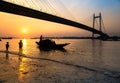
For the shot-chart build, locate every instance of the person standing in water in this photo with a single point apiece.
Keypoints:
(20, 44)
(20, 47)
(7, 46)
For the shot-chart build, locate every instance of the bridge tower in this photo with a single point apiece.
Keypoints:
(100, 22)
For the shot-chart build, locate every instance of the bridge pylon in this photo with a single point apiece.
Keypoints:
(100, 23)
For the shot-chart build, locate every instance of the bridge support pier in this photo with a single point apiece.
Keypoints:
(100, 23)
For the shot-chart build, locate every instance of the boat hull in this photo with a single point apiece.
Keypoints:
(51, 46)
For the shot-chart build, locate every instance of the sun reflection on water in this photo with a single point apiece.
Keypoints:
(24, 43)
(23, 69)
(24, 46)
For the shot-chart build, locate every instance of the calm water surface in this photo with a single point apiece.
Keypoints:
(84, 61)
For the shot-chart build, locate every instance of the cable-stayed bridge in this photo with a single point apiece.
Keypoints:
(31, 12)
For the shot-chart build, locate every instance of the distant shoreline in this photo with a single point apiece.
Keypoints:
(58, 37)
(64, 38)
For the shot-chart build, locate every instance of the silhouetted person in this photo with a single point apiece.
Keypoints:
(20, 47)
(7, 46)
(20, 44)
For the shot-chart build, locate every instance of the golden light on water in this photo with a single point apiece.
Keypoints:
(24, 46)
(22, 69)
(24, 43)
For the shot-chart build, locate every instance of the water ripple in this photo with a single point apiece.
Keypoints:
(113, 74)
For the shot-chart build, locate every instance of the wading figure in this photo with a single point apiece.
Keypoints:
(20, 44)
(20, 47)
(7, 46)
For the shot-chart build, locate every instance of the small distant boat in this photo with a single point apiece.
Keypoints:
(49, 44)
(7, 38)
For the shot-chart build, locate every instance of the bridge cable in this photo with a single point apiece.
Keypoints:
(41, 5)
(103, 26)
(46, 6)
(54, 3)
(61, 6)
(37, 5)
(50, 5)
(26, 5)
(88, 21)
(67, 10)
(97, 25)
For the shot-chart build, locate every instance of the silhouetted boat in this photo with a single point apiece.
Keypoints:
(49, 44)
(7, 38)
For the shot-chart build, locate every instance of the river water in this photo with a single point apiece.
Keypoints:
(83, 61)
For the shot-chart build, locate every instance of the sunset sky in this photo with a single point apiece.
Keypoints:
(77, 10)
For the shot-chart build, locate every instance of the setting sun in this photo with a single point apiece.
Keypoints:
(24, 31)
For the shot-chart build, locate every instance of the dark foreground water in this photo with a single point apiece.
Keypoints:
(83, 61)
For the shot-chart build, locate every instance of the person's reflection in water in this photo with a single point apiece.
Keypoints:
(7, 57)
(20, 53)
